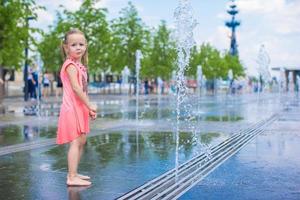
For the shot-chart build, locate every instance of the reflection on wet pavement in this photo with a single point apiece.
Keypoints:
(14, 134)
(117, 162)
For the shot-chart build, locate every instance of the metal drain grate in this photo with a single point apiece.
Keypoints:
(176, 182)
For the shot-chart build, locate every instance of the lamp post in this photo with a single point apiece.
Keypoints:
(26, 63)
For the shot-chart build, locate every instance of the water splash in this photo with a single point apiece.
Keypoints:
(138, 57)
(185, 24)
(263, 61)
(201, 147)
(199, 78)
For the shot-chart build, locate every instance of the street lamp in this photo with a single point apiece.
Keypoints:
(26, 62)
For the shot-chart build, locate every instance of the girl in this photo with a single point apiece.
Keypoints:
(73, 122)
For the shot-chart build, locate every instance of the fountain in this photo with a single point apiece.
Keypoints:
(290, 82)
(160, 86)
(185, 23)
(138, 57)
(199, 78)
(263, 62)
(38, 71)
(199, 84)
(125, 75)
(173, 81)
(230, 80)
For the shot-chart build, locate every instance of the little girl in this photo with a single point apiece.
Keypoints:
(73, 122)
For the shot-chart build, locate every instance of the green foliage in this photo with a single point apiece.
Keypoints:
(160, 59)
(207, 138)
(223, 118)
(14, 30)
(195, 60)
(92, 21)
(49, 49)
(214, 64)
(129, 34)
(233, 62)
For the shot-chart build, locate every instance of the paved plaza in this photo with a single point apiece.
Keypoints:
(123, 154)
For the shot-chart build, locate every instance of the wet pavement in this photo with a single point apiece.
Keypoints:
(122, 154)
(267, 168)
(117, 162)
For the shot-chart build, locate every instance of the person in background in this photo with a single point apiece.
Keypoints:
(31, 84)
(36, 79)
(46, 84)
(59, 85)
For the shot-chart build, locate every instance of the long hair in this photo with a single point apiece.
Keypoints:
(84, 58)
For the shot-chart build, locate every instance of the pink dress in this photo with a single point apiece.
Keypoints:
(74, 114)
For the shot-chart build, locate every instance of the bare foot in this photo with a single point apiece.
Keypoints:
(76, 181)
(83, 177)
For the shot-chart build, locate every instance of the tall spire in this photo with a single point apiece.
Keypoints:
(233, 24)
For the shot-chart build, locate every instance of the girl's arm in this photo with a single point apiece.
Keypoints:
(72, 74)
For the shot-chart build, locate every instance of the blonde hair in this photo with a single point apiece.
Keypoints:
(84, 58)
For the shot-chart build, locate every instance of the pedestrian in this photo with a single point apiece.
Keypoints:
(31, 84)
(46, 84)
(73, 122)
(146, 87)
(59, 86)
(36, 80)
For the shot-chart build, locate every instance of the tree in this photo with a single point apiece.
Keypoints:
(214, 64)
(211, 61)
(195, 60)
(128, 35)
(15, 33)
(160, 59)
(234, 63)
(92, 22)
(50, 51)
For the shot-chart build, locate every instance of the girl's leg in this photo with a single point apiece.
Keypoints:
(73, 160)
(82, 142)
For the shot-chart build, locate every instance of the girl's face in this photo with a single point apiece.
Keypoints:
(76, 46)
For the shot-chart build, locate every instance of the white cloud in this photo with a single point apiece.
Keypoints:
(150, 20)
(280, 15)
(102, 4)
(220, 38)
(140, 8)
(71, 5)
(45, 18)
(259, 6)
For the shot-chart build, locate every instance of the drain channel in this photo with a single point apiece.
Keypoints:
(176, 182)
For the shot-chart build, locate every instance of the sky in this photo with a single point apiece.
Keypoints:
(272, 23)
